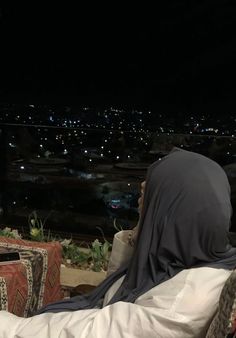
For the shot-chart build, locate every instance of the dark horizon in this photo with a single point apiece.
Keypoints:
(183, 59)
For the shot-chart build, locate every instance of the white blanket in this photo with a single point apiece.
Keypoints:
(181, 307)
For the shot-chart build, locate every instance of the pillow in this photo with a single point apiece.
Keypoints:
(33, 282)
(223, 324)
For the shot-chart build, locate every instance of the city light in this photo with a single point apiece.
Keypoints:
(92, 160)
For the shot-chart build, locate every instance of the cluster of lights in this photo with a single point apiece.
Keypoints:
(115, 119)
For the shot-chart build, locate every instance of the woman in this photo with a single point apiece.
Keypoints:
(171, 285)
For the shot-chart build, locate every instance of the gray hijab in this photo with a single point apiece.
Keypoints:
(184, 224)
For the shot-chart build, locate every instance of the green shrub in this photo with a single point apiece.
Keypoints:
(96, 257)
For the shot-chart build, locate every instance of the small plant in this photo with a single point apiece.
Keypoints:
(96, 258)
(8, 232)
(100, 255)
(73, 254)
(36, 227)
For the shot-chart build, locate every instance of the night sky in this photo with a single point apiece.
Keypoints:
(175, 57)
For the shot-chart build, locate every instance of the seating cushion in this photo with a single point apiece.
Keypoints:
(224, 323)
(34, 281)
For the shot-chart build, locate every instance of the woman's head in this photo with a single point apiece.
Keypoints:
(187, 209)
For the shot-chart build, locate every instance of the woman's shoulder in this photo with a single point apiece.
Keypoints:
(190, 298)
(191, 283)
(189, 292)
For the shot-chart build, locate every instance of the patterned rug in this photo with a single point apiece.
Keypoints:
(33, 282)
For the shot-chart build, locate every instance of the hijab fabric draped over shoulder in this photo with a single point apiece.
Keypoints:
(184, 224)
